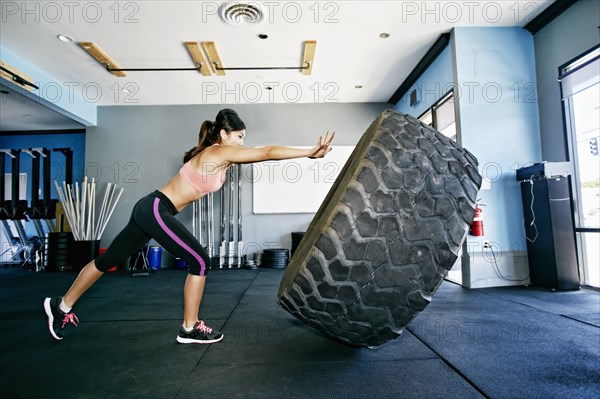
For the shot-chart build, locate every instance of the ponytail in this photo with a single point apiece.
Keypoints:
(227, 120)
(206, 138)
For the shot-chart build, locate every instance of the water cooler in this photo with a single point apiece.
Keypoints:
(548, 218)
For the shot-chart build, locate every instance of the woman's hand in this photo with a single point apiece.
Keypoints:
(322, 146)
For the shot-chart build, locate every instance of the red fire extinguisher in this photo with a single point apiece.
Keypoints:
(477, 225)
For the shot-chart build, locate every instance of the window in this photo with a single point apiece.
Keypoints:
(441, 116)
(580, 87)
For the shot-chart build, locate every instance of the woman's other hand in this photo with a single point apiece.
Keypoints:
(322, 146)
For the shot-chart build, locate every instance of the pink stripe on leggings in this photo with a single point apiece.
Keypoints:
(177, 239)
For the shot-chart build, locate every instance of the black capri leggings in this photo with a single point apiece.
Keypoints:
(154, 217)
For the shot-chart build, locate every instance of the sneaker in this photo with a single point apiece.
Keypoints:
(57, 319)
(200, 334)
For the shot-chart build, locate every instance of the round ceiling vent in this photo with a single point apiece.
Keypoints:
(237, 13)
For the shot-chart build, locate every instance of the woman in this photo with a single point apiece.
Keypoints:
(204, 171)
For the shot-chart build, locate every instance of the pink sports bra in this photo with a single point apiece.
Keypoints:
(203, 184)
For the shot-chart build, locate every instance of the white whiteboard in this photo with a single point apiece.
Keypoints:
(296, 185)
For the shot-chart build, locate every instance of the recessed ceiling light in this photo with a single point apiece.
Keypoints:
(358, 87)
(65, 38)
(263, 36)
(384, 35)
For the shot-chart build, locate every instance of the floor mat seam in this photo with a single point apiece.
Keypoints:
(222, 327)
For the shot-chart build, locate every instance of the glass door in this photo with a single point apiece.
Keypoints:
(580, 84)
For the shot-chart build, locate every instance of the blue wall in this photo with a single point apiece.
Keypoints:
(493, 73)
(436, 81)
(75, 141)
(498, 120)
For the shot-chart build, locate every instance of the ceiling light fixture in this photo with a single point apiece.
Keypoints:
(65, 38)
(384, 35)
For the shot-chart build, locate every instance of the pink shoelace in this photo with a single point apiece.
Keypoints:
(203, 328)
(70, 318)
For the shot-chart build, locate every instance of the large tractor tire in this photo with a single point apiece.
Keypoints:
(387, 233)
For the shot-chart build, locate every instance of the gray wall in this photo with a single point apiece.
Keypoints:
(570, 34)
(140, 148)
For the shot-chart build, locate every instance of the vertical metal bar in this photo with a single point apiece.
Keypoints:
(209, 207)
(222, 227)
(35, 178)
(16, 172)
(2, 183)
(240, 244)
(231, 222)
(46, 179)
(203, 236)
(194, 220)
(202, 221)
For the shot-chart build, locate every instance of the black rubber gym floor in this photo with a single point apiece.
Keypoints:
(499, 343)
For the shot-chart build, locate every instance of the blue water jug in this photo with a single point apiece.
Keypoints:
(154, 255)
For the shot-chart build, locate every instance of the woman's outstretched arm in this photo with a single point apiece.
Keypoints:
(249, 155)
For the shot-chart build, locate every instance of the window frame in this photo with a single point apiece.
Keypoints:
(448, 96)
(570, 141)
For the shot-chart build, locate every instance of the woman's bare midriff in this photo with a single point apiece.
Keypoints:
(180, 192)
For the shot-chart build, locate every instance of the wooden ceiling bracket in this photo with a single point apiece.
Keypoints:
(96, 53)
(213, 57)
(19, 78)
(308, 56)
(198, 58)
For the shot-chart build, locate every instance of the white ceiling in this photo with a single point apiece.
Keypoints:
(150, 34)
(19, 113)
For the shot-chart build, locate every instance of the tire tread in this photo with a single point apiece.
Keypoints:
(390, 228)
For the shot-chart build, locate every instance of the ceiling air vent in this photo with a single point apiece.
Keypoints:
(237, 13)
